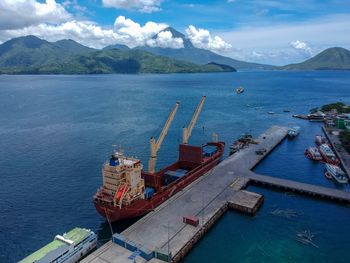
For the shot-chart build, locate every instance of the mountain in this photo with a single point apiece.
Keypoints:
(198, 55)
(117, 46)
(72, 47)
(335, 58)
(32, 55)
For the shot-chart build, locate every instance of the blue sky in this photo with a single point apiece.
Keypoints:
(266, 31)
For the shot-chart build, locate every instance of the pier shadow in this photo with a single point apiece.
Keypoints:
(106, 230)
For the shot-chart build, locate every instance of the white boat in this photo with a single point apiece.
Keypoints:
(67, 248)
(240, 90)
(293, 132)
(336, 173)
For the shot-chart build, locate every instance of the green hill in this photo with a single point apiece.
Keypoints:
(198, 55)
(32, 55)
(335, 58)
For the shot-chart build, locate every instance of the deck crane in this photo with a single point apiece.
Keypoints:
(186, 132)
(155, 145)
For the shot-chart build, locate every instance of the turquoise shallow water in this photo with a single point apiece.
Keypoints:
(56, 131)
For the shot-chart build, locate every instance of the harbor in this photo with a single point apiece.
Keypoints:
(172, 238)
(87, 178)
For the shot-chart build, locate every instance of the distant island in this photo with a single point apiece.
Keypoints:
(335, 58)
(32, 55)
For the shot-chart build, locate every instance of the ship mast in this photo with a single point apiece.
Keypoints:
(186, 131)
(155, 145)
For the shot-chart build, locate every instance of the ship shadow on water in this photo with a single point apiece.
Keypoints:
(104, 231)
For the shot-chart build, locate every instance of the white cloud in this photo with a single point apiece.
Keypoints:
(20, 13)
(125, 31)
(300, 45)
(201, 38)
(144, 6)
(165, 40)
(274, 41)
(133, 34)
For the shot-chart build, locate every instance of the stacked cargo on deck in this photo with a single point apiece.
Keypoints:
(171, 176)
(209, 150)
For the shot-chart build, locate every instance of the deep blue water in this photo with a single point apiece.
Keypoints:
(56, 131)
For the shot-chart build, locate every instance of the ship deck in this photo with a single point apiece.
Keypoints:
(208, 199)
(56, 247)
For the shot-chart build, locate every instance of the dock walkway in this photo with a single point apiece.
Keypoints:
(302, 188)
(163, 232)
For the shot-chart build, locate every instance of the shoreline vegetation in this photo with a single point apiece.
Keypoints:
(32, 55)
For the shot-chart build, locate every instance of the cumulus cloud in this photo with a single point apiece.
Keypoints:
(144, 6)
(85, 32)
(125, 31)
(16, 14)
(133, 34)
(165, 40)
(201, 38)
(300, 45)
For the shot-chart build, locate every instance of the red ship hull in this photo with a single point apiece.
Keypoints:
(188, 157)
(329, 160)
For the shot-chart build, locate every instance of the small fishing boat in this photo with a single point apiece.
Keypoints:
(320, 140)
(336, 173)
(313, 154)
(293, 132)
(271, 112)
(239, 90)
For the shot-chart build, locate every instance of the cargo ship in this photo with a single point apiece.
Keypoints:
(128, 191)
(68, 248)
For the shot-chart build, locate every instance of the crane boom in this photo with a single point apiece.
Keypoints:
(187, 131)
(155, 144)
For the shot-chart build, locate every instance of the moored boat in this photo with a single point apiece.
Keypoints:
(128, 191)
(68, 248)
(293, 132)
(327, 154)
(319, 140)
(336, 172)
(313, 154)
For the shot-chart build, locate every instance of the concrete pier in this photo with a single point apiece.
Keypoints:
(301, 188)
(246, 202)
(162, 236)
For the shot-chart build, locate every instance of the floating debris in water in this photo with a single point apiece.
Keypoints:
(287, 213)
(306, 237)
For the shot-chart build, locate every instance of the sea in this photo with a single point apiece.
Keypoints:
(56, 131)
